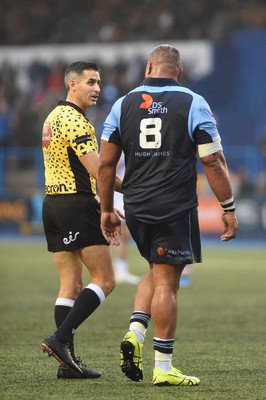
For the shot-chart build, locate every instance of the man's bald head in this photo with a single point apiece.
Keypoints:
(164, 61)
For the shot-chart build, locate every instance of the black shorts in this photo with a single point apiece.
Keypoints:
(71, 221)
(175, 242)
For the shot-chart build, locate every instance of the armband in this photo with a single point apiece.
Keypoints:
(209, 148)
(228, 205)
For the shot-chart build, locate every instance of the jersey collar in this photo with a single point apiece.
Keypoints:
(160, 82)
(68, 103)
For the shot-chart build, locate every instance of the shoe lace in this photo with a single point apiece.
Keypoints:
(78, 361)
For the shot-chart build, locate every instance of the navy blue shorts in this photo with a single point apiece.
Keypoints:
(175, 242)
(72, 221)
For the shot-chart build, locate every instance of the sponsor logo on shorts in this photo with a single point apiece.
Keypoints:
(160, 251)
(172, 253)
(71, 238)
(176, 253)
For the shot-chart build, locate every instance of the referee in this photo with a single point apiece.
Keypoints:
(161, 128)
(71, 215)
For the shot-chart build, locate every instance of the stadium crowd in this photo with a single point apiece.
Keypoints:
(28, 94)
(79, 21)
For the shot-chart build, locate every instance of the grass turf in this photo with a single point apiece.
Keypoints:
(220, 336)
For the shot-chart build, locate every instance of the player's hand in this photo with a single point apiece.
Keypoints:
(111, 227)
(230, 226)
(120, 213)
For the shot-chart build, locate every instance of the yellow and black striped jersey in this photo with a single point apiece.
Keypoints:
(67, 135)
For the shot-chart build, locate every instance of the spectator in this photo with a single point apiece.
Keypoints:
(4, 121)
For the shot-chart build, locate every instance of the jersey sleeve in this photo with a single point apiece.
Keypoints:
(81, 136)
(201, 123)
(111, 127)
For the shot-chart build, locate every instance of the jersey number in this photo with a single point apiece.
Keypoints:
(150, 136)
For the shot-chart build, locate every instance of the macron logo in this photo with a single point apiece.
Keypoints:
(148, 100)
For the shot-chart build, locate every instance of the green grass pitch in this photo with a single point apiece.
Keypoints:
(220, 338)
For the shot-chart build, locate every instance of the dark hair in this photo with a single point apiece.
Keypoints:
(77, 69)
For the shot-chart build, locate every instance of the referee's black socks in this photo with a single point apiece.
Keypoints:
(85, 304)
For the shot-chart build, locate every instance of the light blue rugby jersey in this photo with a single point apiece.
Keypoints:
(159, 125)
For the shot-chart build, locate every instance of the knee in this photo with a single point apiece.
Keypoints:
(78, 288)
(71, 291)
(109, 286)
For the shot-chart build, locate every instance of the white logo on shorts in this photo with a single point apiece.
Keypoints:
(71, 238)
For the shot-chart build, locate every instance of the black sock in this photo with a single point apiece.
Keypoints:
(142, 317)
(85, 304)
(60, 314)
(163, 345)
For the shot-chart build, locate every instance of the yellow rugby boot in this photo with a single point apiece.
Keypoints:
(131, 357)
(173, 378)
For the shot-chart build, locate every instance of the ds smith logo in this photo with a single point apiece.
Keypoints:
(153, 107)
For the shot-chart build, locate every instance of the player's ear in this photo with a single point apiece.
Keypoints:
(148, 68)
(72, 84)
(180, 72)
